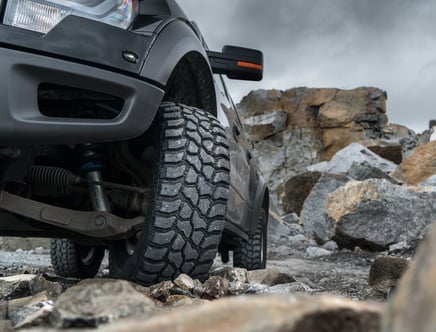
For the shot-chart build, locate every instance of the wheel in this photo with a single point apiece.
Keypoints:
(186, 215)
(251, 254)
(72, 260)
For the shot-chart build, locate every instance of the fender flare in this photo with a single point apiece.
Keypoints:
(261, 200)
(176, 40)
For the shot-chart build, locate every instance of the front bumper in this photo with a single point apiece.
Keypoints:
(78, 53)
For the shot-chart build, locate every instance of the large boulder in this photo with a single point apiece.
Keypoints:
(313, 215)
(375, 213)
(419, 166)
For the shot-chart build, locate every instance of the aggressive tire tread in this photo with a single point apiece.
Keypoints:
(190, 195)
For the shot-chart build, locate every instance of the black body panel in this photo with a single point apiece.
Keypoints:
(21, 122)
(85, 41)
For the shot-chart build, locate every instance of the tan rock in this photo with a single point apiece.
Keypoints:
(345, 200)
(263, 313)
(185, 282)
(413, 306)
(419, 166)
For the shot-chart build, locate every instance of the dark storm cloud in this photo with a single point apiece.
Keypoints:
(390, 44)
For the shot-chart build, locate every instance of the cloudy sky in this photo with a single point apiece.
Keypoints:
(390, 44)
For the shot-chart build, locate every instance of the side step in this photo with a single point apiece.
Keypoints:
(96, 224)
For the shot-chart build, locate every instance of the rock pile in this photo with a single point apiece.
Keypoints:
(274, 304)
(291, 130)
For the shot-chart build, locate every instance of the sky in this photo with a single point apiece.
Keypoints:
(389, 44)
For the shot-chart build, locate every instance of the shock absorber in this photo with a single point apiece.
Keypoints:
(93, 162)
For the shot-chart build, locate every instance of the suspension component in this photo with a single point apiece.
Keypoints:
(92, 164)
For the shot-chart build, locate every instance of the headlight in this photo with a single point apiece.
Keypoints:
(43, 15)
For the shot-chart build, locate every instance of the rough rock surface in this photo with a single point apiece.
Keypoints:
(413, 307)
(292, 194)
(343, 161)
(419, 166)
(387, 149)
(376, 213)
(93, 302)
(264, 313)
(313, 216)
(319, 123)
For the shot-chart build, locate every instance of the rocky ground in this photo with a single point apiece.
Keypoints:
(34, 296)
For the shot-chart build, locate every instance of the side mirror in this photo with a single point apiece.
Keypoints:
(237, 63)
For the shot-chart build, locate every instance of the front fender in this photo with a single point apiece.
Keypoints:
(173, 42)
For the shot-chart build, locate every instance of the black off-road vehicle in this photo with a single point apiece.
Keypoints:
(117, 132)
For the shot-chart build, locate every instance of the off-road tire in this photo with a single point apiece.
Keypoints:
(72, 260)
(184, 223)
(251, 254)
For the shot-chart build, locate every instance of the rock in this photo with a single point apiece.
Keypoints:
(185, 282)
(384, 275)
(413, 306)
(419, 166)
(313, 217)
(6, 326)
(39, 284)
(91, 303)
(269, 277)
(27, 310)
(232, 274)
(361, 171)
(330, 245)
(374, 214)
(264, 313)
(343, 161)
(161, 291)
(430, 182)
(215, 287)
(262, 126)
(37, 318)
(15, 286)
(395, 130)
(319, 123)
(292, 194)
(317, 252)
(387, 149)
(14, 243)
(400, 247)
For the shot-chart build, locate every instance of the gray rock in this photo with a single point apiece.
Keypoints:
(343, 160)
(232, 274)
(313, 216)
(269, 277)
(15, 286)
(20, 310)
(292, 194)
(361, 171)
(259, 127)
(330, 245)
(384, 276)
(375, 214)
(91, 303)
(430, 182)
(313, 252)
